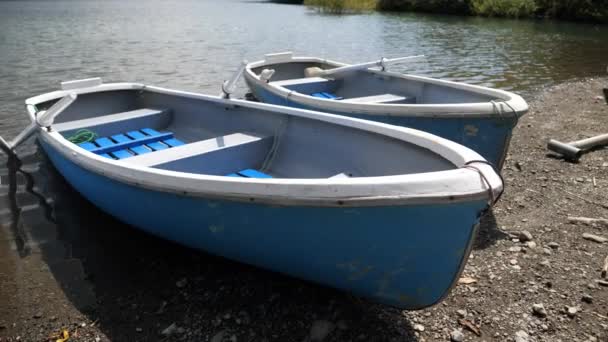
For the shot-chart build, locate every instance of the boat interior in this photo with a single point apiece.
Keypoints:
(177, 132)
(365, 87)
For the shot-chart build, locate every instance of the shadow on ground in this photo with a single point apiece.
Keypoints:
(488, 232)
(134, 285)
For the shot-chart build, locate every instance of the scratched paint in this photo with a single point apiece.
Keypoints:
(471, 130)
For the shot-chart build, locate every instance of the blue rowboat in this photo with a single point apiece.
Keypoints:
(477, 117)
(385, 212)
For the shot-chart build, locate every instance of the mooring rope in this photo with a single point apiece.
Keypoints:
(468, 165)
(82, 135)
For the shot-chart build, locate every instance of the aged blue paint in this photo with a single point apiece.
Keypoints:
(489, 136)
(406, 256)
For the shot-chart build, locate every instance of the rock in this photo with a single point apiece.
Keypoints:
(571, 311)
(170, 330)
(181, 283)
(320, 330)
(161, 308)
(547, 251)
(219, 336)
(515, 249)
(521, 336)
(38, 315)
(602, 282)
(138, 329)
(539, 310)
(531, 244)
(462, 313)
(553, 245)
(525, 236)
(419, 327)
(457, 336)
(513, 261)
(587, 299)
(467, 280)
(594, 238)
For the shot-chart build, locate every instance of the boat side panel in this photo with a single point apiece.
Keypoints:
(488, 136)
(406, 256)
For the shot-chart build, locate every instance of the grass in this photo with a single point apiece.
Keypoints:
(504, 8)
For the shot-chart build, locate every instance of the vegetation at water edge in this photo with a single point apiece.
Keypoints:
(342, 6)
(584, 10)
(588, 10)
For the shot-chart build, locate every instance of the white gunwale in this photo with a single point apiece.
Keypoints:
(451, 186)
(507, 104)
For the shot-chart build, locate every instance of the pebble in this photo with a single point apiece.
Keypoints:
(138, 329)
(218, 337)
(462, 313)
(170, 330)
(587, 299)
(547, 251)
(594, 238)
(525, 236)
(38, 315)
(457, 336)
(181, 283)
(513, 261)
(571, 311)
(320, 330)
(521, 336)
(515, 249)
(419, 327)
(539, 310)
(531, 244)
(553, 245)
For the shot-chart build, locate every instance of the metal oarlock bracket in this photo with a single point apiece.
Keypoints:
(43, 119)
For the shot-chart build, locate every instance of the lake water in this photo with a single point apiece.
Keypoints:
(195, 45)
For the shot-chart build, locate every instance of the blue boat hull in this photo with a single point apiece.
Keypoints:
(405, 256)
(489, 136)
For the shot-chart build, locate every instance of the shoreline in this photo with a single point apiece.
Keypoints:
(524, 9)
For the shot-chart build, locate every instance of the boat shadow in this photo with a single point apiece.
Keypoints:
(134, 286)
(488, 232)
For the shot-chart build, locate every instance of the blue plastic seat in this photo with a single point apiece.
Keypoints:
(249, 173)
(326, 95)
(120, 146)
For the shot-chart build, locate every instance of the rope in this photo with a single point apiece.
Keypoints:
(493, 198)
(82, 135)
(276, 142)
(498, 110)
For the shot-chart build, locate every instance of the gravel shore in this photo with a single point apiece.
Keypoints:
(534, 275)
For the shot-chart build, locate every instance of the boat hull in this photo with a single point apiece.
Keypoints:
(406, 256)
(489, 135)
